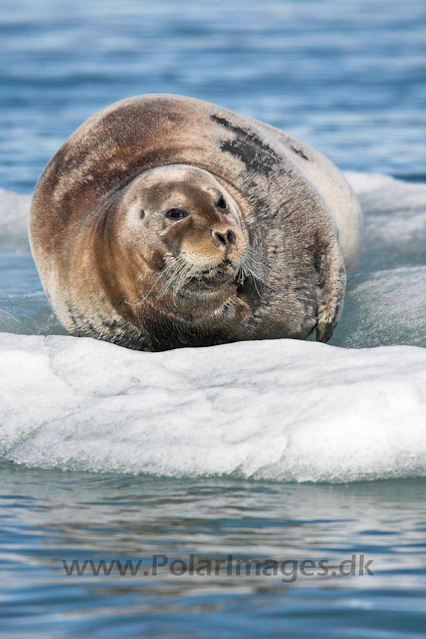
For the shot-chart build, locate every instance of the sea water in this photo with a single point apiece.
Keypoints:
(275, 451)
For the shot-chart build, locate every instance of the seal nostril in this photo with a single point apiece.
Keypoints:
(220, 237)
(231, 236)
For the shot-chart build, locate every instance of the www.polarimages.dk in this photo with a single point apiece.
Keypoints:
(289, 569)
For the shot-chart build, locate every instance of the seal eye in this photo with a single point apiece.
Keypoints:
(221, 204)
(176, 214)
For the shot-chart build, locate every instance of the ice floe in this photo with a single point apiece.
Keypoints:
(280, 410)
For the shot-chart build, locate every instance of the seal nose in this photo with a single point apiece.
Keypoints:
(226, 238)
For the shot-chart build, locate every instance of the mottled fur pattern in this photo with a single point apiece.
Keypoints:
(296, 222)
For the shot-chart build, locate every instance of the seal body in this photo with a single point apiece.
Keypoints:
(166, 221)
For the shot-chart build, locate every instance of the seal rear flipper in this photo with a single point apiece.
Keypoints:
(332, 283)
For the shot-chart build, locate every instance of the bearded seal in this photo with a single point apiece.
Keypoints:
(166, 221)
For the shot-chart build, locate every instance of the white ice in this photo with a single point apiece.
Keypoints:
(279, 410)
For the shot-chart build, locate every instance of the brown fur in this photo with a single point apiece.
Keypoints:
(103, 244)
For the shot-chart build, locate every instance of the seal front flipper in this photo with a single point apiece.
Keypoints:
(331, 271)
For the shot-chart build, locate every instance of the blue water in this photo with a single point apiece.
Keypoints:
(349, 78)
(50, 516)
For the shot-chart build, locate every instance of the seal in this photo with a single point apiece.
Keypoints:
(166, 221)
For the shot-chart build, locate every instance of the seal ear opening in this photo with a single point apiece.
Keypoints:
(332, 283)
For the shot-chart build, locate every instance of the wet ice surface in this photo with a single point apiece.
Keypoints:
(280, 410)
(386, 296)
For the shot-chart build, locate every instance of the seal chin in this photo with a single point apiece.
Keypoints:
(213, 278)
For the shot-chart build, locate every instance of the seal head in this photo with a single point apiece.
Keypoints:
(174, 246)
(185, 225)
